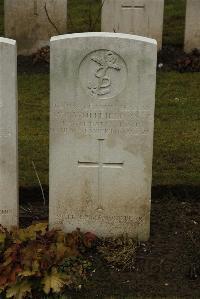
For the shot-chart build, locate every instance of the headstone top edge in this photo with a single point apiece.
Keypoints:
(8, 41)
(104, 34)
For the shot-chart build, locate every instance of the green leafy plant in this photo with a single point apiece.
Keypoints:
(42, 260)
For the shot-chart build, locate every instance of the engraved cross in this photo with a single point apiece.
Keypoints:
(132, 5)
(35, 7)
(100, 165)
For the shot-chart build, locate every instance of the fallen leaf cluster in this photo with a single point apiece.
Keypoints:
(189, 62)
(119, 253)
(42, 260)
(42, 55)
(173, 58)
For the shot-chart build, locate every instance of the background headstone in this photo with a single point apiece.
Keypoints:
(192, 25)
(139, 17)
(8, 134)
(101, 132)
(33, 22)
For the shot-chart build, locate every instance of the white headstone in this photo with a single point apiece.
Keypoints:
(8, 134)
(33, 22)
(101, 132)
(192, 25)
(140, 17)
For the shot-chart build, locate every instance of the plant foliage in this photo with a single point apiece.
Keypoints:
(38, 259)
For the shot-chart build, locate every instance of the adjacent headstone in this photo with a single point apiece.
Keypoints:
(140, 17)
(101, 133)
(33, 22)
(192, 25)
(8, 134)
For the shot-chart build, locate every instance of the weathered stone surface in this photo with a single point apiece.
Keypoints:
(192, 25)
(101, 132)
(8, 134)
(33, 22)
(140, 17)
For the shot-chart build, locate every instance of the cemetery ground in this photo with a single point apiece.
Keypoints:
(169, 263)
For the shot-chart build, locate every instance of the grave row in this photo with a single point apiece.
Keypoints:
(33, 22)
(102, 98)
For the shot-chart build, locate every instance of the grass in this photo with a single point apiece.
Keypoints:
(177, 129)
(176, 146)
(177, 117)
(1, 18)
(33, 128)
(174, 22)
(80, 19)
(84, 15)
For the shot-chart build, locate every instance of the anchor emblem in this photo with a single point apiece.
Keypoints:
(103, 84)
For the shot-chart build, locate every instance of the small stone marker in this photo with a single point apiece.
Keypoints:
(8, 134)
(192, 25)
(101, 133)
(33, 22)
(140, 17)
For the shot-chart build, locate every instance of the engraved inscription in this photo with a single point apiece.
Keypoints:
(134, 19)
(4, 212)
(62, 218)
(101, 121)
(132, 5)
(103, 74)
(5, 133)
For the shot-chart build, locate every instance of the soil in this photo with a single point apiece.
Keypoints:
(167, 265)
(169, 58)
